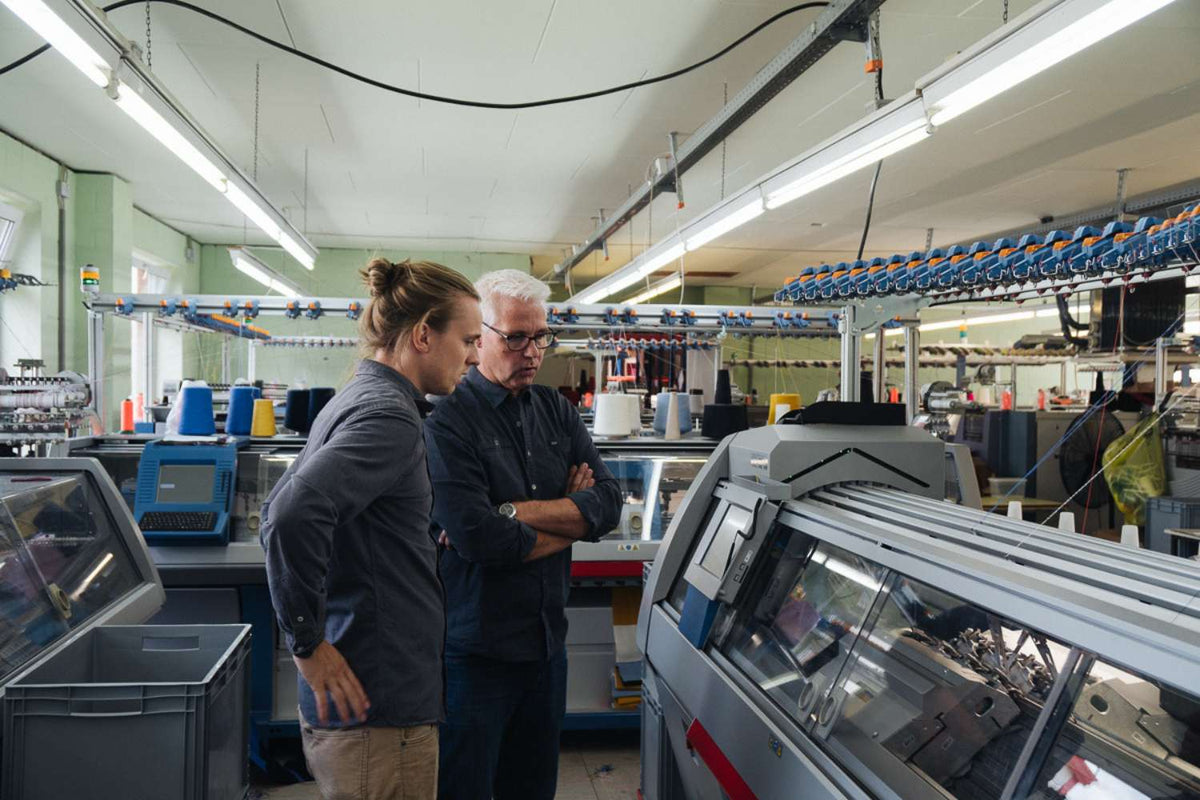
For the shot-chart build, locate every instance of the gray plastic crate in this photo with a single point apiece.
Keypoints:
(137, 711)
(1171, 512)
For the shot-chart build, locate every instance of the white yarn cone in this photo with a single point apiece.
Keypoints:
(1129, 536)
(1014, 509)
(672, 428)
(1066, 521)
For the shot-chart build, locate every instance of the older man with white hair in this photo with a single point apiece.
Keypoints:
(516, 480)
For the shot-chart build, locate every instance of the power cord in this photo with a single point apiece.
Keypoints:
(434, 97)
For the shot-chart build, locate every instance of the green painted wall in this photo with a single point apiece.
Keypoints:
(29, 317)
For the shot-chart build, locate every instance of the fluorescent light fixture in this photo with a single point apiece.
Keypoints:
(67, 42)
(253, 211)
(248, 264)
(655, 289)
(658, 260)
(140, 95)
(1049, 33)
(983, 319)
(723, 222)
(882, 140)
(299, 253)
(143, 114)
(631, 273)
(615, 283)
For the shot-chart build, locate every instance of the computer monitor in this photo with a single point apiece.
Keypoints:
(185, 492)
(186, 483)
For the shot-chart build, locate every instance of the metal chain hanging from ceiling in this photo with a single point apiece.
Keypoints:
(257, 85)
(149, 59)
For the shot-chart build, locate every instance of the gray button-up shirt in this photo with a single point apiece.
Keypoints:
(349, 555)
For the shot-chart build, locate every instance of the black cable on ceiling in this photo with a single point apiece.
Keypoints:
(434, 97)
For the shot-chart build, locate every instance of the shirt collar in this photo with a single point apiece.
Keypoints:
(494, 393)
(369, 366)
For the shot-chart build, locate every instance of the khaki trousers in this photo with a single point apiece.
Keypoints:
(366, 763)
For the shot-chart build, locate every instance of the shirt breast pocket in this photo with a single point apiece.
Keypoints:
(502, 463)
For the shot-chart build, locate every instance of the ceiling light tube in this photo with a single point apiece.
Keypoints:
(253, 211)
(723, 221)
(655, 289)
(655, 262)
(142, 96)
(143, 114)
(297, 252)
(250, 265)
(888, 131)
(67, 42)
(1051, 32)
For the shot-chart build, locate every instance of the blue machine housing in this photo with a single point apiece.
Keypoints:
(865, 281)
(1019, 264)
(223, 460)
(946, 275)
(845, 283)
(923, 273)
(1066, 257)
(811, 288)
(826, 281)
(1159, 251)
(1040, 263)
(885, 278)
(971, 270)
(1126, 248)
(1096, 248)
(993, 267)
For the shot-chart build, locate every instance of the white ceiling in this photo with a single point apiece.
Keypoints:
(385, 170)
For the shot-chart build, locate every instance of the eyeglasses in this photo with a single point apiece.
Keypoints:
(519, 341)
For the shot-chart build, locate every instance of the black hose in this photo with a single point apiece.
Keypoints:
(434, 97)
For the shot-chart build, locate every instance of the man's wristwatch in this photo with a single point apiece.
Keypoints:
(508, 510)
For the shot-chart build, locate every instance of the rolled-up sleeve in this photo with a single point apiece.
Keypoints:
(332, 485)
(601, 504)
(461, 505)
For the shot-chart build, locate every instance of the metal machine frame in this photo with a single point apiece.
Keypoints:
(709, 729)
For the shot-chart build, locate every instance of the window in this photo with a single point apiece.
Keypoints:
(144, 279)
(1128, 738)
(10, 218)
(940, 687)
(795, 639)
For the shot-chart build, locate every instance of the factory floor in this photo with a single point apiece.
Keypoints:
(593, 765)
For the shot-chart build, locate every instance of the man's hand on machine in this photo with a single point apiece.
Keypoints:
(326, 671)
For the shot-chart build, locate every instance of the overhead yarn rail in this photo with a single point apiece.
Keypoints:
(1014, 269)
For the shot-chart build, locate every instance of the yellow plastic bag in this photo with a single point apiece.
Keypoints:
(1134, 469)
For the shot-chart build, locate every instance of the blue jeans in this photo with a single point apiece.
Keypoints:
(500, 737)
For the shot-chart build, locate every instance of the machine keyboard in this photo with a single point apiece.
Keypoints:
(178, 521)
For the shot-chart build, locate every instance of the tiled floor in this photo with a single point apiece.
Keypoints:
(592, 766)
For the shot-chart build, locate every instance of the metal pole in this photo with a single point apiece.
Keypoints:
(1013, 381)
(1122, 174)
(96, 362)
(252, 361)
(879, 384)
(912, 383)
(1160, 371)
(599, 371)
(851, 354)
(225, 360)
(148, 365)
